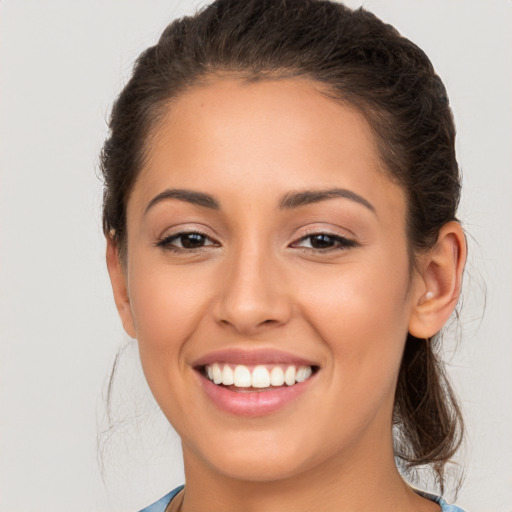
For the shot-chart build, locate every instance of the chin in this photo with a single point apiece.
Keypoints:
(262, 456)
(258, 468)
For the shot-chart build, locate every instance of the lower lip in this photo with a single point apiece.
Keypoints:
(253, 403)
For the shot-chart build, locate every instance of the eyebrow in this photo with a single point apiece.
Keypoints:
(302, 198)
(289, 201)
(189, 196)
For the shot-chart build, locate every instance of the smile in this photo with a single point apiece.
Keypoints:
(254, 383)
(259, 377)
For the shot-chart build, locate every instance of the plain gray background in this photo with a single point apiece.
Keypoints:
(61, 65)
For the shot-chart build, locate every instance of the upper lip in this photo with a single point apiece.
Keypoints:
(252, 357)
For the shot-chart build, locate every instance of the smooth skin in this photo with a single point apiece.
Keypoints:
(329, 281)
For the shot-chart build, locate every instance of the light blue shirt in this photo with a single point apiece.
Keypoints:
(444, 506)
(161, 504)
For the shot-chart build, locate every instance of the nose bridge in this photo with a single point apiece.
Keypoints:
(252, 293)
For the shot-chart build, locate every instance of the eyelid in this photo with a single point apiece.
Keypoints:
(165, 240)
(343, 241)
(186, 227)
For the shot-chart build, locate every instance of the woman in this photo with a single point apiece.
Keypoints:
(280, 211)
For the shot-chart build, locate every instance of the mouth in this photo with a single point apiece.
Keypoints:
(254, 383)
(256, 378)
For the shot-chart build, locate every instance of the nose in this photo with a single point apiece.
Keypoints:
(253, 294)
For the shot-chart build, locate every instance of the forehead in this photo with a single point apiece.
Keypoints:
(231, 136)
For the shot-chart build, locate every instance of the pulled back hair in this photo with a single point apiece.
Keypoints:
(358, 60)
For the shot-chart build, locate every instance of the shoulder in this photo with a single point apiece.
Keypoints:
(445, 507)
(161, 504)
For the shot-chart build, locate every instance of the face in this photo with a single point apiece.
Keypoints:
(264, 236)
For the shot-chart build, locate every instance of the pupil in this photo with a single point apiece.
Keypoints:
(321, 241)
(192, 240)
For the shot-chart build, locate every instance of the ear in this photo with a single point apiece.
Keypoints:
(439, 282)
(119, 287)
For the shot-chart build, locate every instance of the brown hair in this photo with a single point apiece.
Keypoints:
(360, 60)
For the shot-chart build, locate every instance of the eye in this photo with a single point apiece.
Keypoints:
(184, 241)
(324, 242)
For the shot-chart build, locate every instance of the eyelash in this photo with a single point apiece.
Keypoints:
(341, 242)
(166, 243)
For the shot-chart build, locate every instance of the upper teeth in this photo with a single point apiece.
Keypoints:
(259, 376)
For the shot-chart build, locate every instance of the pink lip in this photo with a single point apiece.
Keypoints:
(252, 403)
(252, 357)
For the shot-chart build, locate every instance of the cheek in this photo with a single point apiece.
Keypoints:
(361, 312)
(166, 304)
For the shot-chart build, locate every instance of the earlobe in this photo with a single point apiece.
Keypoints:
(440, 282)
(119, 287)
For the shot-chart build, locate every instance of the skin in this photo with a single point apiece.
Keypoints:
(258, 282)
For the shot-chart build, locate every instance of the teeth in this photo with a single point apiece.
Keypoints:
(217, 374)
(277, 376)
(242, 377)
(259, 377)
(289, 375)
(303, 373)
(227, 376)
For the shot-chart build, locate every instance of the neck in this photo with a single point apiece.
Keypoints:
(351, 482)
